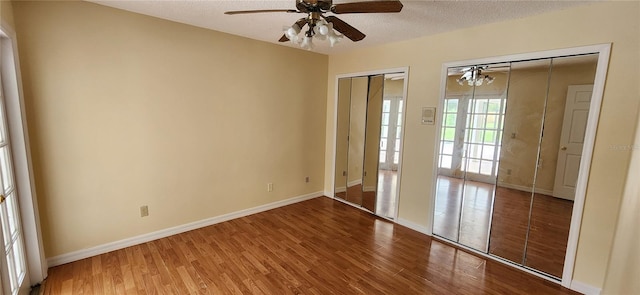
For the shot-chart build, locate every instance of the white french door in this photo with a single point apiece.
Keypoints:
(13, 261)
(471, 136)
(391, 129)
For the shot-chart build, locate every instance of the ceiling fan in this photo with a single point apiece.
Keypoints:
(321, 26)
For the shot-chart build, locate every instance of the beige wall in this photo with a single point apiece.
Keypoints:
(561, 78)
(6, 13)
(127, 110)
(372, 133)
(342, 134)
(624, 267)
(562, 29)
(393, 87)
(525, 108)
(357, 121)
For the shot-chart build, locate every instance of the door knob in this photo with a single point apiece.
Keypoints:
(564, 148)
(2, 198)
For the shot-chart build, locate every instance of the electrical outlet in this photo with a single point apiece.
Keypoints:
(144, 211)
(306, 179)
(269, 187)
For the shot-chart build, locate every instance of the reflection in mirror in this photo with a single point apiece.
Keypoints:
(509, 157)
(342, 137)
(390, 142)
(482, 142)
(570, 88)
(357, 121)
(468, 153)
(518, 157)
(450, 179)
(369, 123)
(372, 138)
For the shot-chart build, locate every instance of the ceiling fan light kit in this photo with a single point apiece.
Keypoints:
(324, 27)
(473, 76)
(318, 28)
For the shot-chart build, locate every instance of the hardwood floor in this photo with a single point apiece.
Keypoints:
(319, 246)
(383, 200)
(548, 236)
(550, 222)
(387, 190)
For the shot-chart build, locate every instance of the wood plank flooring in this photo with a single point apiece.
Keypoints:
(550, 222)
(319, 246)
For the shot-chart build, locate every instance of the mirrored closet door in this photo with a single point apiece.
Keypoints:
(509, 156)
(368, 141)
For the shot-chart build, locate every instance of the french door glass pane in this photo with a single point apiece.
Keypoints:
(6, 232)
(12, 215)
(5, 164)
(18, 261)
(386, 106)
(452, 106)
(447, 147)
(385, 118)
(445, 161)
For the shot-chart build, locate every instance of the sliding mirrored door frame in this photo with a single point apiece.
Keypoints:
(405, 72)
(603, 51)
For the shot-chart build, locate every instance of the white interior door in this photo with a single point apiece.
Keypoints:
(14, 278)
(574, 125)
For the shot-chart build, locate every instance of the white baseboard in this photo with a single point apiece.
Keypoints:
(584, 288)
(354, 182)
(370, 189)
(526, 188)
(414, 226)
(117, 245)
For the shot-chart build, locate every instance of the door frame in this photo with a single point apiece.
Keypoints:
(603, 51)
(23, 169)
(405, 71)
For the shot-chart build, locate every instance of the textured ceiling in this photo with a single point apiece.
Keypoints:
(417, 18)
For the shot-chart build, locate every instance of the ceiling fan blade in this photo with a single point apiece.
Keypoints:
(346, 29)
(301, 22)
(260, 11)
(367, 7)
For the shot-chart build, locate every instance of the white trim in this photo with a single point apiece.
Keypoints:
(112, 246)
(354, 182)
(603, 51)
(526, 189)
(584, 288)
(369, 188)
(597, 48)
(23, 168)
(371, 73)
(414, 226)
